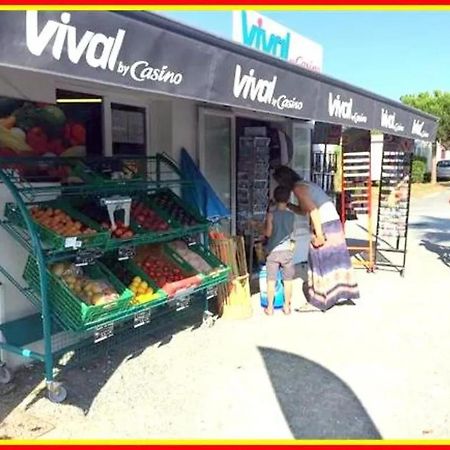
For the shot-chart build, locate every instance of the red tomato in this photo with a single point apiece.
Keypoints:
(78, 134)
(56, 146)
(37, 140)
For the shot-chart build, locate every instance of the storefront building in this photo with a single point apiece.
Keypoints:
(146, 85)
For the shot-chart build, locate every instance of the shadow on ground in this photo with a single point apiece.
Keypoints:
(88, 370)
(315, 402)
(435, 236)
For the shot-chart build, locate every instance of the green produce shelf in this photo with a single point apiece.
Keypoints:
(54, 240)
(73, 312)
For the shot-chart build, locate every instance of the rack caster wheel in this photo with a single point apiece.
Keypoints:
(208, 319)
(56, 392)
(5, 375)
(402, 273)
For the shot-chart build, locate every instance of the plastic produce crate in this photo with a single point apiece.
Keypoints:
(165, 198)
(101, 172)
(218, 272)
(126, 271)
(191, 279)
(73, 312)
(55, 240)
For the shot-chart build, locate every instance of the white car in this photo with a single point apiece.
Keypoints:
(443, 169)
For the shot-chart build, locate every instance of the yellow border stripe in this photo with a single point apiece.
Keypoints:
(275, 7)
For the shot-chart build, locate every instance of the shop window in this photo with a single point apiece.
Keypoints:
(128, 130)
(83, 129)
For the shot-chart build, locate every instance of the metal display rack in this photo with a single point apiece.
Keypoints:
(393, 203)
(356, 196)
(30, 180)
(252, 188)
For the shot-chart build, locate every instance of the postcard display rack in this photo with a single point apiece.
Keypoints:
(252, 188)
(356, 190)
(394, 199)
(61, 323)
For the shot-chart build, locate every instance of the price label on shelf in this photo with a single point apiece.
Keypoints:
(182, 303)
(103, 332)
(142, 318)
(126, 253)
(72, 242)
(211, 292)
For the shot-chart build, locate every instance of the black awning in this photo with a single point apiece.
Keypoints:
(144, 51)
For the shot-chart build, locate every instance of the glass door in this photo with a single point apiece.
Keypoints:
(217, 156)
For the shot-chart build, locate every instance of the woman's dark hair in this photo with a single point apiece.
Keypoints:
(281, 194)
(286, 177)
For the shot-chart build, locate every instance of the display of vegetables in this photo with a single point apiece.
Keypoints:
(165, 273)
(165, 201)
(143, 293)
(59, 222)
(194, 259)
(92, 292)
(147, 218)
(99, 213)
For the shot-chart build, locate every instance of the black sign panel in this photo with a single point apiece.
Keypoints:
(110, 48)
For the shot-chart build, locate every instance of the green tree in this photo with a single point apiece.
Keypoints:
(436, 103)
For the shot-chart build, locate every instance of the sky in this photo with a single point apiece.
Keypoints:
(391, 53)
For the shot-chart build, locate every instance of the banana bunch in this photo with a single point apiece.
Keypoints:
(13, 140)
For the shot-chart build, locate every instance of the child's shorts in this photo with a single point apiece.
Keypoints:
(283, 259)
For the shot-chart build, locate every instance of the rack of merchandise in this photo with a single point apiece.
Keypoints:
(110, 247)
(356, 191)
(394, 199)
(252, 188)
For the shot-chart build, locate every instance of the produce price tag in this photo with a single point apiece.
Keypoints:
(142, 318)
(211, 292)
(182, 303)
(103, 332)
(126, 253)
(72, 242)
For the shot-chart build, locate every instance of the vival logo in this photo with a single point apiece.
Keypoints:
(388, 120)
(256, 36)
(343, 109)
(417, 129)
(100, 50)
(247, 86)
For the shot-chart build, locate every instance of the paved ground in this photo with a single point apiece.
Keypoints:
(377, 369)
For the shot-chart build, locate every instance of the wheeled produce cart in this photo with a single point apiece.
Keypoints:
(111, 247)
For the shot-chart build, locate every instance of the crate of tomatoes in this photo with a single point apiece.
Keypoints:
(167, 269)
(151, 220)
(59, 225)
(181, 215)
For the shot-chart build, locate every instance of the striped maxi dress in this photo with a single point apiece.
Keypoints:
(330, 272)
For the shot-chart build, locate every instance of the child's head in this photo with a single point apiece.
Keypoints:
(281, 194)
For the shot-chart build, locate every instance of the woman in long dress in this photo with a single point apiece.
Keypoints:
(330, 274)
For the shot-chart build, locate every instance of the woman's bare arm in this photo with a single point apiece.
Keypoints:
(269, 225)
(303, 197)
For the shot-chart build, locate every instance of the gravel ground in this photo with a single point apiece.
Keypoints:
(379, 369)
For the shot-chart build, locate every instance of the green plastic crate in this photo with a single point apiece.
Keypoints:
(174, 258)
(220, 272)
(54, 240)
(95, 177)
(201, 225)
(73, 312)
(126, 271)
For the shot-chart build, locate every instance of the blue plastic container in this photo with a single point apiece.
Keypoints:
(278, 300)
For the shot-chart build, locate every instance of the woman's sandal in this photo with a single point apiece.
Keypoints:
(287, 310)
(268, 312)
